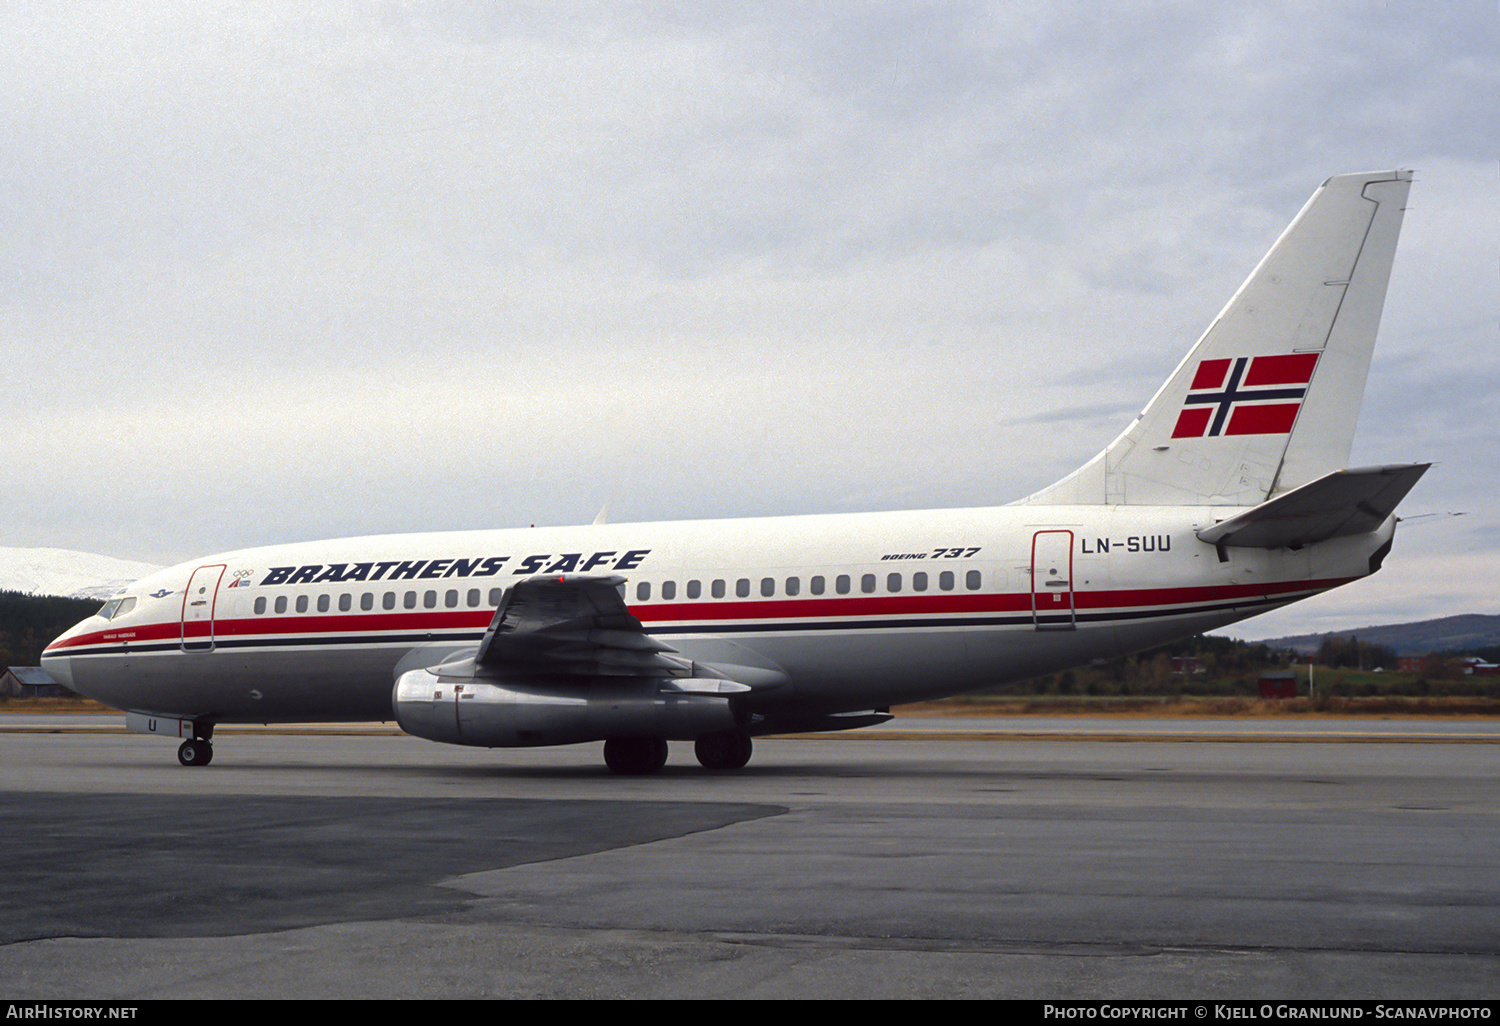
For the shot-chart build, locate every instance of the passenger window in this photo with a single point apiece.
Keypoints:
(429, 600)
(388, 600)
(892, 582)
(945, 580)
(815, 585)
(346, 602)
(867, 584)
(301, 603)
(742, 587)
(367, 602)
(767, 587)
(841, 584)
(410, 601)
(473, 598)
(280, 603)
(793, 586)
(260, 605)
(668, 590)
(919, 581)
(972, 580)
(323, 603)
(495, 594)
(450, 598)
(717, 589)
(643, 591)
(694, 589)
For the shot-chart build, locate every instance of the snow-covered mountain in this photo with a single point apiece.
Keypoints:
(64, 572)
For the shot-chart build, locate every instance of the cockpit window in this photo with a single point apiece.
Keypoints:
(117, 607)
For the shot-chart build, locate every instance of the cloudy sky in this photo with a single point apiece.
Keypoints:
(274, 272)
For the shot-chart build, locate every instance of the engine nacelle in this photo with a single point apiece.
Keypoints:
(489, 713)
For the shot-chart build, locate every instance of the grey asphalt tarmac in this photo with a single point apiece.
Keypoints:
(1135, 859)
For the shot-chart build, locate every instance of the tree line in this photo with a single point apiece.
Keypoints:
(29, 623)
(1351, 653)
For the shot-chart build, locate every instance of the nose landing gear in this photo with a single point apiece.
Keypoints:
(195, 752)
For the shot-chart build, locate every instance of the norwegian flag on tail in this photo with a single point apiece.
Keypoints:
(1245, 395)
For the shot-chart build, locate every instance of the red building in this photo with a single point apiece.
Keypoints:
(1278, 684)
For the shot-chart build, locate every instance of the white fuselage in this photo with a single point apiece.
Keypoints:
(842, 612)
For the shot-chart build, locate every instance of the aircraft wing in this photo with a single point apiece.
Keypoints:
(1345, 502)
(564, 661)
(574, 626)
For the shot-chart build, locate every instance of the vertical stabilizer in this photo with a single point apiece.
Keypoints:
(1268, 398)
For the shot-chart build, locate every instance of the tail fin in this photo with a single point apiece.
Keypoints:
(1268, 398)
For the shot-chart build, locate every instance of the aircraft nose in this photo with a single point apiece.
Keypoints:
(59, 668)
(56, 662)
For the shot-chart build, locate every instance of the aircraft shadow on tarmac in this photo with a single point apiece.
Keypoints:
(105, 865)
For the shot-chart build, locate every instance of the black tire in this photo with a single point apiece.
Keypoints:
(635, 756)
(726, 750)
(195, 752)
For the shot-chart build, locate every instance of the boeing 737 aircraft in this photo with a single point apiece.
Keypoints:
(1226, 497)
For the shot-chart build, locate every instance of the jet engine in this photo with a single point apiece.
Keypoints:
(452, 704)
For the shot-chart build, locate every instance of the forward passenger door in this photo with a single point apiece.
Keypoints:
(198, 608)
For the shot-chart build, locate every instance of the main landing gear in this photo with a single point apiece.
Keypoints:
(635, 756)
(729, 750)
(643, 756)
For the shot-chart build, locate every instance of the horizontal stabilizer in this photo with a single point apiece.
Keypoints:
(1345, 502)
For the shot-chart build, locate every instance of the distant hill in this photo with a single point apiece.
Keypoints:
(1445, 634)
(67, 573)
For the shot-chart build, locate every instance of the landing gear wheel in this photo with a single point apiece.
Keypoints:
(196, 752)
(635, 756)
(726, 750)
